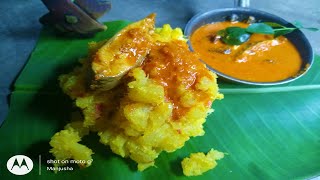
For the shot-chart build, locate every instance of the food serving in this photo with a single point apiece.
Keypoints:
(143, 92)
(198, 163)
(260, 58)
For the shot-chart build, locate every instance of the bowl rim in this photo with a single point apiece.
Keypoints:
(188, 31)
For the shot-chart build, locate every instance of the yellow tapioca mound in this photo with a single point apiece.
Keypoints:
(156, 107)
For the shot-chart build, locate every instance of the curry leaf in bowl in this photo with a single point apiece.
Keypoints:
(234, 35)
(238, 35)
(300, 26)
(283, 31)
(274, 25)
(260, 28)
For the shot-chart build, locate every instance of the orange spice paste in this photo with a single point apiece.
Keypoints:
(262, 58)
(177, 69)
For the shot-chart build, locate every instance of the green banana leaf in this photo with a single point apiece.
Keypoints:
(270, 132)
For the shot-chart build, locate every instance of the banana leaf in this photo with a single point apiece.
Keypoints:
(270, 132)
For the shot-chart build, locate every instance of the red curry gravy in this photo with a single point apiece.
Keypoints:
(175, 67)
(261, 59)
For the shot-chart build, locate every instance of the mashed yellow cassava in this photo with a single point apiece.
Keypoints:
(198, 163)
(156, 106)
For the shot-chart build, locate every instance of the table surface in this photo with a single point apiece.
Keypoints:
(19, 28)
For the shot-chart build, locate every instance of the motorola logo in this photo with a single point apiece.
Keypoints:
(19, 164)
